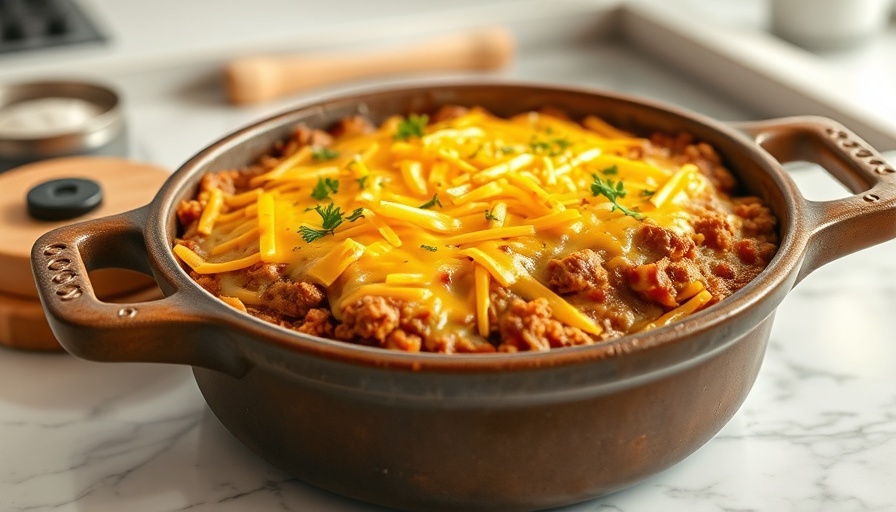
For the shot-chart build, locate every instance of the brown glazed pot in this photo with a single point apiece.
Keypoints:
(469, 432)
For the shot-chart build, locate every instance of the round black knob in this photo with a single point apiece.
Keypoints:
(13, 30)
(64, 198)
(56, 25)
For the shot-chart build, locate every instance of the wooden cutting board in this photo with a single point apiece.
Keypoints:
(125, 185)
(24, 326)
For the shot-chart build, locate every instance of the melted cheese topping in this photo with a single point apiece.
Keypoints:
(434, 219)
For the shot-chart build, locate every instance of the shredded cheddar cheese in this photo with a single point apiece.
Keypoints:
(438, 214)
(211, 212)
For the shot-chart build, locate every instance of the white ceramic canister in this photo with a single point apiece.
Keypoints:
(829, 24)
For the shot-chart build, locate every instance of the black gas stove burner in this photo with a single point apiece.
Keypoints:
(35, 24)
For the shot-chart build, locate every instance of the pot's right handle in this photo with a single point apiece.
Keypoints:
(842, 226)
(168, 330)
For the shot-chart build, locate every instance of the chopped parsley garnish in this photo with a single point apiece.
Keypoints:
(362, 181)
(429, 248)
(331, 217)
(612, 191)
(491, 216)
(507, 150)
(537, 146)
(411, 126)
(356, 214)
(610, 171)
(322, 153)
(432, 202)
(325, 187)
(647, 193)
(551, 147)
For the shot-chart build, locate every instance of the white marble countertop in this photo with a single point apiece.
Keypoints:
(816, 433)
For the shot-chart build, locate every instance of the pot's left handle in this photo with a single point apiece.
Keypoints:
(168, 330)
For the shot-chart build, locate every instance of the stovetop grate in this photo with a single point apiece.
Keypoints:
(34, 24)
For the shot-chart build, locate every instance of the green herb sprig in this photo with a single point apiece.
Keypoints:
(612, 191)
(325, 187)
(551, 147)
(331, 217)
(411, 126)
(431, 203)
(322, 153)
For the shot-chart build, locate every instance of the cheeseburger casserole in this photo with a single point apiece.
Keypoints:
(460, 231)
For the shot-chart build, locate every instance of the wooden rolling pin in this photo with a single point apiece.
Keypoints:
(256, 79)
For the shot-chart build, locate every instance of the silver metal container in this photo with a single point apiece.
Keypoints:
(48, 119)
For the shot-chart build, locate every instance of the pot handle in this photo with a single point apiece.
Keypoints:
(168, 330)
(842, 226)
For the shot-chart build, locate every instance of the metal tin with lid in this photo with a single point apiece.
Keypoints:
(48, 119)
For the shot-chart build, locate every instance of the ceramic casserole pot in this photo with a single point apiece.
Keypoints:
(469, 432)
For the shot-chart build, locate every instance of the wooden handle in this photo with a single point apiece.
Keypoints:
(256, 79)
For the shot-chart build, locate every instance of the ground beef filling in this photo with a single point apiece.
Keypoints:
(729, 246)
